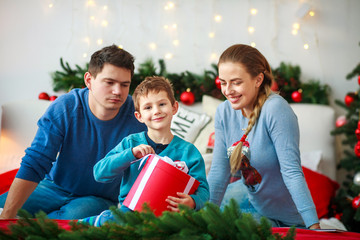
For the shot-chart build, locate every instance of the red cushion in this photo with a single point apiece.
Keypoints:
(307, 234)
(6, 180)
(322, 190)
(5, 223)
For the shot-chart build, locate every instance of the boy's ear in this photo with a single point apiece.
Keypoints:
(175, 107)
(87, 80)
(138, 116)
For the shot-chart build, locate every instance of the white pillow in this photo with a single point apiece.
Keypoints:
(187, 124)
(207, 159)
(311, 160)
(332, 223)
(209, 105)
(9, 162)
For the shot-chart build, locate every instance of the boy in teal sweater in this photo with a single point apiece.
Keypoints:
(155, 106)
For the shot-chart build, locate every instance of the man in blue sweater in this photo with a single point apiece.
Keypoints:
(76, 131)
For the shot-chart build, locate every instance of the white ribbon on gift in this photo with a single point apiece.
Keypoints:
(145, 178)
(181, 165)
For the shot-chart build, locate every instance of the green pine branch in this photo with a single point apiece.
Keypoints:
(199, 84)
(208, 223)
(354, 72)
(68, 78)
(287, 77)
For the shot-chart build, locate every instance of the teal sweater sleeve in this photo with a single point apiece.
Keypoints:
(115, 163)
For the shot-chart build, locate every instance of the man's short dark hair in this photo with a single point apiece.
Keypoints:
(113, 55)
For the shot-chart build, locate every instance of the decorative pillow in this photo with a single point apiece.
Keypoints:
(311, 159)
(187, 124)
(9, 162)
(207, 159)
(209, 105)
(322, 190)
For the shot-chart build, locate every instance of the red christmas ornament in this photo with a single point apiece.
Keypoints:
(44, 96)
(357, 133)
(52, 98)
(349, 99)
(357, 149)
(338, 216)
(296, 96)
(274, 86)
(187, 97)
(359, 79)
(356, 202)
(340, 121)
(218, 82)
(359, 124)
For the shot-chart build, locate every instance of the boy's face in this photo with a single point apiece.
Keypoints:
(108, 90)
(156, 111)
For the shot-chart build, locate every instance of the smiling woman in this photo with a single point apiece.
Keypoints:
(238, 86)
(258, 131)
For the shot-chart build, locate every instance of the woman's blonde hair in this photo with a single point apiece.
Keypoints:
(254, 63)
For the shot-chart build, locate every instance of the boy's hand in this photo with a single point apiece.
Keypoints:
(182, 198)
(142, 150)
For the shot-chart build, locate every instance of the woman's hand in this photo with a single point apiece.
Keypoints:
(315, 226)
(183, 199)
(142, 150)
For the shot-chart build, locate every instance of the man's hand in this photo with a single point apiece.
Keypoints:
(183, 199)
(142, 150)
(19, 192)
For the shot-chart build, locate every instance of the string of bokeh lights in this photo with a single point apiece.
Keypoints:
(305, 9)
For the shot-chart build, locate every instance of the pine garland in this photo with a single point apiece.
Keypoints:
(69, 78)
(208, 223)
(286, 76)
(199, 84)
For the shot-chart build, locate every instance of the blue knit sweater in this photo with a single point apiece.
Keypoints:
(70, 140)
(274, 151)
(117, 163)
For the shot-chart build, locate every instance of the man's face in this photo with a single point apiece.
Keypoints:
(108, 90)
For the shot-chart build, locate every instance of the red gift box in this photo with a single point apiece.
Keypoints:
(156, 181)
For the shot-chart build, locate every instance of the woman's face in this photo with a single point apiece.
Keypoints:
(238, 86)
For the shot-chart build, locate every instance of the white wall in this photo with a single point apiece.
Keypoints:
(35, 36)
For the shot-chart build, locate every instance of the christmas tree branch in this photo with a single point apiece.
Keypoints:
(208, 223)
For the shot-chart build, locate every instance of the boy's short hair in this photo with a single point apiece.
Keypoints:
(113, 55)
(153, 84)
